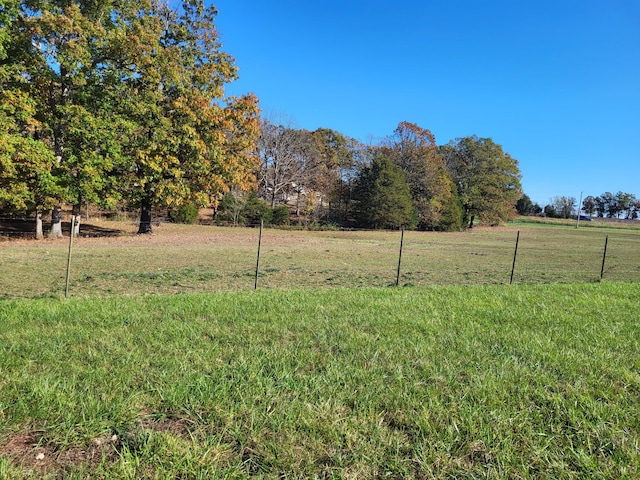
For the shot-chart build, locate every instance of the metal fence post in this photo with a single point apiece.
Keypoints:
(515, 254)
(604, 257)
(400, 257)
(73, 227)
(255, 284)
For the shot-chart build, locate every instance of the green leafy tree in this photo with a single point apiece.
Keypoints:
(589, 205)
(434, 194)
(525, 206)
(256, 210)
(625, 202)
(186, 141)
(550, 211)
(383, 196)
(280, 215)
(487, 178)
(602, 205)
(129, 97)
(64, 54)
(27, 183)
(187, 213)
(609, 205)
(635, 209)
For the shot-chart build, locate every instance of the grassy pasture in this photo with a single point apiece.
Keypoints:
(183, 259)
(528, 381)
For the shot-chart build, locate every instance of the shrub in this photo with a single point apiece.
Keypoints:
(255, 210)
(230, 209)
(280, 215)
(185, 214)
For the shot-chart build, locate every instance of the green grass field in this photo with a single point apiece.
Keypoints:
(324, 372)
(184, 259)
(527, 381)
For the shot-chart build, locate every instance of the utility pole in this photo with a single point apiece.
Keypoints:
(578, 211)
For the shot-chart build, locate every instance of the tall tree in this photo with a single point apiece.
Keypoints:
(383, 196)
(435, 197)
(334, 158)
(524, 206)
(357, 157)
(129, 98)
(625, 202)
(26, 163)
(636, 210)
(186, 141)
(589, 205)
(564, 206)
(487, 178)
(602, 205)
(67, 45)
(286, 161)
(609, 204)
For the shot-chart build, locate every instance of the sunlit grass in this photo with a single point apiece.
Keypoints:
(442, 382)
(183, 259)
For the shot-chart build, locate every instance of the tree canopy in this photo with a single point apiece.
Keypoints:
(383, 195)
(487, 178)
(435, 197)
(128, 97)
(123, 102)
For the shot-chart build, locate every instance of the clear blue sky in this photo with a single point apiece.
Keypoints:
(555, 82)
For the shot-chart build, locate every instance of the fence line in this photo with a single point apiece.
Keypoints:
(356, 265)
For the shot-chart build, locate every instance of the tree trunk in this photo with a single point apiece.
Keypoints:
(473, 217)
(39, 232)
(78, 218)
(56, 223)
(145, 215)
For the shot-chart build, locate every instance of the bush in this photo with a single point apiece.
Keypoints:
(255, 210)
(185, 214)
(280, 215)
(230, 209)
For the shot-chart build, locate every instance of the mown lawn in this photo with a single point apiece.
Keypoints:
(527, 381)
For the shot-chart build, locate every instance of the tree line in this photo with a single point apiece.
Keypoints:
(620, 205)
(122, 103)
(405, 179)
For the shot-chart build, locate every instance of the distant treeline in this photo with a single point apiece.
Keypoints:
(406, 179)
(620, 205)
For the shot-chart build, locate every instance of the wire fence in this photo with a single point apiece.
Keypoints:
(228, 259)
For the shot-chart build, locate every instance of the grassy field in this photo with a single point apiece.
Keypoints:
(184, 259)
(528, 381)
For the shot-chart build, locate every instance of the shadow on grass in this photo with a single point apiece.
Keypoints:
(25, 228)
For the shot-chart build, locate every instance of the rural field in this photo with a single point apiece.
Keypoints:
(325, 371)
(112, 260)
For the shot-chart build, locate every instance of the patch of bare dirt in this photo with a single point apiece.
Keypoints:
(179, 426)
(477, 454)
(25, 451)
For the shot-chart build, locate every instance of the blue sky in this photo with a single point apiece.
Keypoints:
(556, 83)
